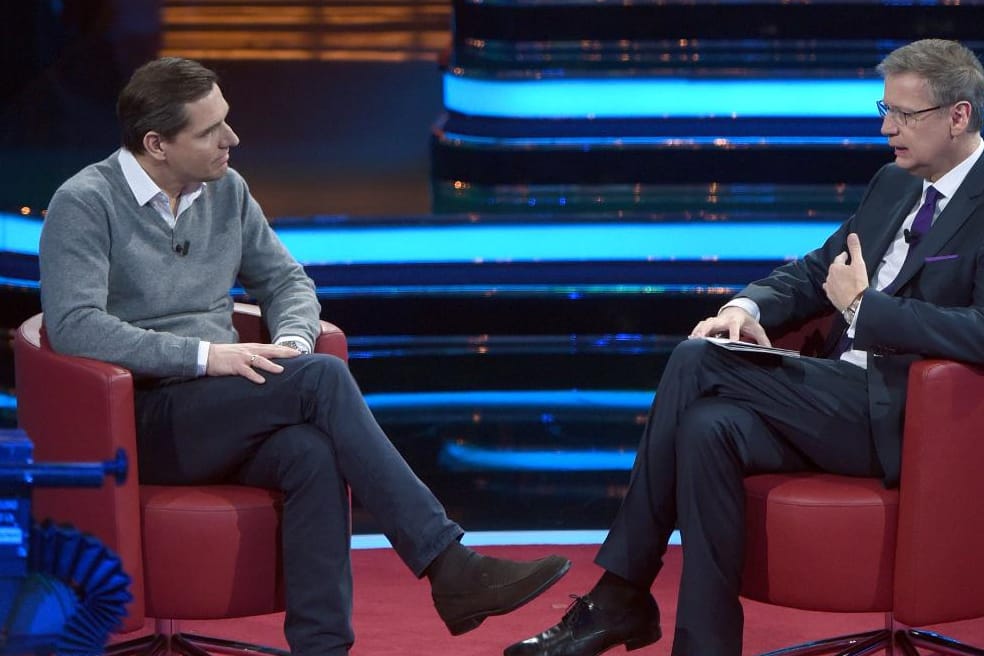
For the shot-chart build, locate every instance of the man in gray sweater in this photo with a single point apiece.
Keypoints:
(138, 254)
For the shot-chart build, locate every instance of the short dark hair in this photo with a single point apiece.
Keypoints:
(952, 70)
(155, 97)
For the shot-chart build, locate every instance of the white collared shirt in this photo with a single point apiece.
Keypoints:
(146, 191)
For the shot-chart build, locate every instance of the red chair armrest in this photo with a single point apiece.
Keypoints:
(249, 324)
(332, 341)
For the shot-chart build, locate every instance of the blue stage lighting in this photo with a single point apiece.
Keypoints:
(553, 242)
(497, 399)
(19, 234)
(465, 457)
(556, 242)
(654, 98)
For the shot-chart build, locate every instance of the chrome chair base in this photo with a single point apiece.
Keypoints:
(166, 642)
(904, 642)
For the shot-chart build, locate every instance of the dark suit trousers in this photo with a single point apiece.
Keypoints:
(717, 417)
(307, 432)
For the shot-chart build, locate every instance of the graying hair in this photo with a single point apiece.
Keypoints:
(952, 70)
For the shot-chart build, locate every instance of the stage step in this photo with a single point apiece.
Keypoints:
(673, 36)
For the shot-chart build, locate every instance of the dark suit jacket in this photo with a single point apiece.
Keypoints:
(937, 310)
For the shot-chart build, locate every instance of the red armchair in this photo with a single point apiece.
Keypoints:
(842, 544)
(193, 552)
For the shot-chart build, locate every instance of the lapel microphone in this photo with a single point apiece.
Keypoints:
(909, 236)
(181, 248)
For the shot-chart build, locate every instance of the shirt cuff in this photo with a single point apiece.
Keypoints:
(301, 341)
(203, 357)
(746, 304)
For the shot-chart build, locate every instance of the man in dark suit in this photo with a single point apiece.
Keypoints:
(901, 290)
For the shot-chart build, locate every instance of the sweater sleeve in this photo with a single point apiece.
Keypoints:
(272, 276)
(75, 248)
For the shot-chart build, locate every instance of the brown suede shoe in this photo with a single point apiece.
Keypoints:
(492, 586)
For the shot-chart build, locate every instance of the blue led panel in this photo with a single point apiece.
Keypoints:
(555, 242)
(465, 457)
(19, 234)
(654, 98)
(552, 399)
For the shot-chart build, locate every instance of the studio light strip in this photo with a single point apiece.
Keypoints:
(654, 98)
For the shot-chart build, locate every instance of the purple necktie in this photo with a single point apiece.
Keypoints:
(924, 217)
(920, 226)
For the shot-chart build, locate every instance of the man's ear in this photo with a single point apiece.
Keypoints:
(153, 144)
(960, 117)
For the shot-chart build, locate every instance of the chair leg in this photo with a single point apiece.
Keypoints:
(939, 644)
(855, 644)
(197, 645)
(150, 645)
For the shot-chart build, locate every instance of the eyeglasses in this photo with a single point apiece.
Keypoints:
(900, 117)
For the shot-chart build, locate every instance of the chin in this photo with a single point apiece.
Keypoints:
(904, 162)
(217, 174)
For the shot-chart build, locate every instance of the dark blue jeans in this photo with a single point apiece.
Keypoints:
(717, 417)
(307, 432)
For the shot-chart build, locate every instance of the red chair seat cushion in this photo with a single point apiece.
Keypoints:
(211, 551)
(820, 542)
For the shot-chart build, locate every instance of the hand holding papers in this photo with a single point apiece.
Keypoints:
(749, 347)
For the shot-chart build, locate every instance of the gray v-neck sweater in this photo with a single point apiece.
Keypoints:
(113, 287)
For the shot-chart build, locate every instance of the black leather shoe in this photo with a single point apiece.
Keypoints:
(587, 629)
(493, 586)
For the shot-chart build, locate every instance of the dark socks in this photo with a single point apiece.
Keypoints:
(612, 591)
(450, 562)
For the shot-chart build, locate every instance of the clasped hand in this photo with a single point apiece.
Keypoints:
(845, 281)
(244, 360)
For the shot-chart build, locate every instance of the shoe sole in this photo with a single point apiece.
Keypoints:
(654, 634)
(466, 624)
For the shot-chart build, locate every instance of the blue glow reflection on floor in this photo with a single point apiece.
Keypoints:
(517, 243)
(640, 98)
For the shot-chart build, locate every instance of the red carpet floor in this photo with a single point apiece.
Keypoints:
(394, 615)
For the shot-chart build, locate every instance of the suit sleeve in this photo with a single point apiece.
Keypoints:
(794, 291)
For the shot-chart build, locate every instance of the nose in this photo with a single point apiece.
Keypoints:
(230, 138)
(889, 126)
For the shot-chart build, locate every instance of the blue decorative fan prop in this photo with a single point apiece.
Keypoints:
(74, 595)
